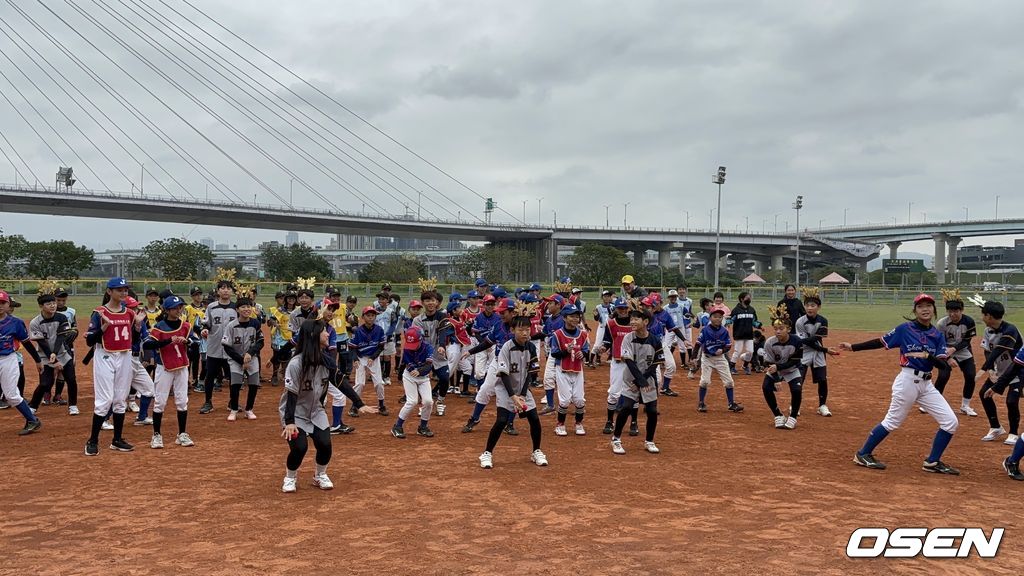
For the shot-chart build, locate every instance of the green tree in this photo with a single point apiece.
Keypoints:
(404, 269)
(496, 263)
(177, 259)
(290, 262)
(11, 248)
(57, 259)
(594, 264)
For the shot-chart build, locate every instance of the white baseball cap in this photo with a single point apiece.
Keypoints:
(673, 293)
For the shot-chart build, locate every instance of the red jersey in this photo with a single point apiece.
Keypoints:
(461, 334)
(173, 356)
(570, 344)
(618, 332)
(118, 335)
(468, 315)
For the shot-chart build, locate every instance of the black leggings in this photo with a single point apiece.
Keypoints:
(298, 446)
(282, 355)
(819, 375)
(194, 365)
(46, 380)
(250, 398)
(624, 414)
(969, 371)
(504, 417)
(1012, 407)
(795, 391)
(215, 369)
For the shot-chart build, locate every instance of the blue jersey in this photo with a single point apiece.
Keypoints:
(664, 323)
(499, 334)
(11, 329)
(913, 337)
(138, 336)
(712, 339)
(367, 341)
(554, 347)
(483, 324)
(679, 313)
(420, 359)
(552, 323)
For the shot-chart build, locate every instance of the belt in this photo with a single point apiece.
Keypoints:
(921, 374)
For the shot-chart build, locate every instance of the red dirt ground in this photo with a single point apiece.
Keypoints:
(728, 492)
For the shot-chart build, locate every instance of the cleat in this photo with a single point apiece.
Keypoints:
(323, 482)
(868, 461)
(30, 427)
(387, 381)
(510, 429)
(702, 407)
(746, 370)
(539, 458)
(133, 407)
(617, 447)
(199, 388)
(425, 431)
(107, 425)
(73, 411)
(486, 460)
(790, 423)
(690, 375)
(669, 392)
(939, 467)
(580, 431)
(560, 430)
(157, 442)
(353, 413)
(736, 407)
(121, 445)
(470, 424)
(91, 449)
(780, 421)
(232, 415)
(46, 399)
(547, 410)
(289, 485)
(184, 440)
(634, 430)
(59, 401)
(206, 408)
(608, 428)
(993, 433)
(441, 407)
(147, 422)
(824, 411)
(250, 415)
(1011, 440)
(1012, 469)
(397, 432)
(651, 447)
(341, 429)
(967, 410)
(383, 411)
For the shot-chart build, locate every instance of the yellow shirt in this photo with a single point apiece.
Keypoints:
(282, 319)
(151, 316)
(339, 324)
(193, 313)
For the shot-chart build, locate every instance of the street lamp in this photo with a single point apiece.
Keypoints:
(524, 212)
(625, 207)
(538, 211)
(607, 207)
(909, 206)
(554, 218)
(718, 178)
(967, 214)
(776, 223)
(687, 219)
(797, 206)
(997, 206)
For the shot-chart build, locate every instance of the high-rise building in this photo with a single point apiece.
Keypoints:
(208, 242)
(291, 239)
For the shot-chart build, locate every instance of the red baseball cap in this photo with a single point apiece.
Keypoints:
(504, 305)
(369, 310)
(718, 309)
(131, 302)
(413, 337)
(4, 297)
(923, 298)
(489, 298)
(415, 304)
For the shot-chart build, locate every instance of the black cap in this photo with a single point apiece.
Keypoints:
(61, 293)
(152, 290)
(167, 292)
(279, 294)
(196, 290)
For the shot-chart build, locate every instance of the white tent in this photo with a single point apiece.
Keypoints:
(833, 278)
(753, 279)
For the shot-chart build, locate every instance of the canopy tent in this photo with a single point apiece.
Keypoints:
(833, 278)
(753, 279)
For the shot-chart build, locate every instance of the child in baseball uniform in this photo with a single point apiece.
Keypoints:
(496, 338)
(48, 331)
(783, 354)
(959, 329)
(242, 342)
(12, 331)
(619, 325)
(1000, 342)
(713, 345)
(570, 346)
(743, 319)
(602, 312)
(552, 321)
(61, 294)
(642, 353)
(417, 358)
(811, 329)
(437, 331)
(368, 343)
(170, 339)
(921, 347)
(1012, 463)
(513, 364)
(142, 382)
(218, 315)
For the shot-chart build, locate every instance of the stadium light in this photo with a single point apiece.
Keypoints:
(719, 179)
(797, 206)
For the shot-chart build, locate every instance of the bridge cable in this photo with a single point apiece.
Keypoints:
(15, 150)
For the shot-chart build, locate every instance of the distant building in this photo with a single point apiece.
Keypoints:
(208, 242)
(222, 247)
(291, 239)
(985, 257)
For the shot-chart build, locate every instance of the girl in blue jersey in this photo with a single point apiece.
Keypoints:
(11, 330)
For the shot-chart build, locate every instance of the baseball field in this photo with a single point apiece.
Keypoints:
(727, 494)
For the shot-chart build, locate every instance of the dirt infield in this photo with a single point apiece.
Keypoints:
(728, 492)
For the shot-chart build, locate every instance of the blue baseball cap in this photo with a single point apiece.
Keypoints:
(455, 297)
(556, 298)
(620, 303)
(472, 294)
(117, 282)
(480, 282)
(534, 287)
(567, 280)
(570, 310)
(173, 302)
(529, 298)
(499, 292)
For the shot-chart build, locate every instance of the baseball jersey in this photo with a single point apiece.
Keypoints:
(665, 323)
(241, 338)
(420, 359)
(679, 313)
(436, 332)
(1000, 345)
(309, 412)
(959, 335)
(646, 352)
(469, 314)
(461, 333)
(787, 356)
(712, 339)
(386, 317)
(70, 314)
(569, 342)
(514, 363)
(602, 313)
(296, 317)
(12, 330)
(49, 333)
(811, 331)
(170, 355)
(614, 334)
(217, 318)
(913, 337)
(499, 334)
(367, 342)
(151, 316)
(794, 307)
(743, 320)
(283, 329)
(194, 314)
(118, 335)
(483, 323)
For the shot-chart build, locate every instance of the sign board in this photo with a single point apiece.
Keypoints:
(903, 265)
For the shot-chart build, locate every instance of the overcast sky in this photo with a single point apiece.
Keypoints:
(863, 106)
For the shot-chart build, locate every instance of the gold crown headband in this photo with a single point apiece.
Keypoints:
(245, 291)
(526, 309)
(951, 295)
(427, 284)
(779, 315)
(48, 287)
(561, 287)
(225, 274)
(810, 292)
(306, 283)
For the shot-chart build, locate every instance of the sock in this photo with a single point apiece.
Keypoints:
(878, 433)
(561, 416)
(611, 415)
(477, 411)
(158, 418)
(321, 469)
(579, 416)
(400, 422)
(1018, 451)
(26, 411)
(703, 392)
(336, 415)
(182, 420)
(665, 383)
(550, 395)
(144, 403)
(291, 473)
(118, 425)
(97, 423)
(423, 423)
(729, 395)
(942, 439)
(380, 404)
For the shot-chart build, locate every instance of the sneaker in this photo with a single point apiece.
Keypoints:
(147, 422)
(510, 429)
(323, 482)
(1010, 440)
(539, 458)
(30, 427)
(824, 411)
(184, 440)
(702, 407)
(690, 375)
(73, 411)
(250, 415)
(107, 425)
(486, 460)
(133, 407)
(634, 430)
(59, 401)
(790, 423)
(780, 421)
(547, 410)
(157, 442)
(967, 410)
(669, 392)
(46, 399)
(617, 447)
(232, 415)
(651, 447)
(199, 388)
(342, 429)
(1012, 469)
(397, 432)
(121, 445)
(383, 411)
(274, 381)
(939, 467)
(206, 408)
(387, 381)
(441, 407)
(470, 424)
(868, 461)
(289, 485)
(352, 412)
(425, 431)
(580, 431)
(608, 428)
(735, 407)
(91, 448)
(746, 370)
(560, 430)
(993, 433)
